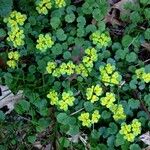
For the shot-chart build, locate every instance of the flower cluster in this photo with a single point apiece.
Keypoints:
(100, 39)
(93, 93)
(44, 42)
(109, 76)
(85, 118)
(118, 112)
(142, 75)
(66, 100)
(60, 3)
(51, 66)
(67, 68)
(13, 58)
(42, 6)
(16, 34)
(108, 100)
(70, 68)
(130, 131)
(116, 109)
(53, 96)
(87, 63)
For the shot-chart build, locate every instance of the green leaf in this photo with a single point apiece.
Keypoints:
(135, 17)
(135, 147)
(147, 34)
(55, 22)
(32, 20)
(74, 130)
(43, 123)
(81, 21)
(2, 116)
(70, 18)
(97, 14)
(147, 13)
(22, 106)
(119, 140)
(131, 57)
(5, 7)
(80, 32)
(112, 128)
(88, 106)
(145, 2)
(64, 142)
(133, 104)
(106, 114)
(126, 40)
(110, 141)
(95, 134)
(31, 139)
(61, 35)
(2, 33)
(57, 49)
(67, 55)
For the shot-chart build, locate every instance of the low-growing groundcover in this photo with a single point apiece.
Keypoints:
(85, 77)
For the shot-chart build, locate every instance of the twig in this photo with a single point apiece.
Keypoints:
(76, 111)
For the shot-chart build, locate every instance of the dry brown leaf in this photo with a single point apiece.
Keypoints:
(120, 5)
(8, 98)
(111, 19)
(146, 46)
(147, 148)
(146, 138)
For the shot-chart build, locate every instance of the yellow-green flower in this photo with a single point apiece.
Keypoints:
(142, 75)
(42, 6)
(50, 67)
(56, 72)
(53, 96)
(93, 92)
(130, 131)
(109, 76)
(84, 117)
(100, 39)
(14, 55)
(63, 105)
(118, 112)
(95, 117)
(60, 3)
(67, 100)
(136, 127)
(12, 64)
(44, 42)
(15, 19)
(81, 70)
(108, 100)
(16, 36)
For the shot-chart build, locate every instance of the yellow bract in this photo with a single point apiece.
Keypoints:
(14, 57)
(50, 67)
(42, 6)
(16, 34)
(44, 42)
(12, 64)
(109, 76)
(93, 92)
(108, 100)
(60, 3)
(130, 131)
(67, 99)
(100, 39)
(141, 74)
(85, 118)
(53, 96)
(118, 112)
